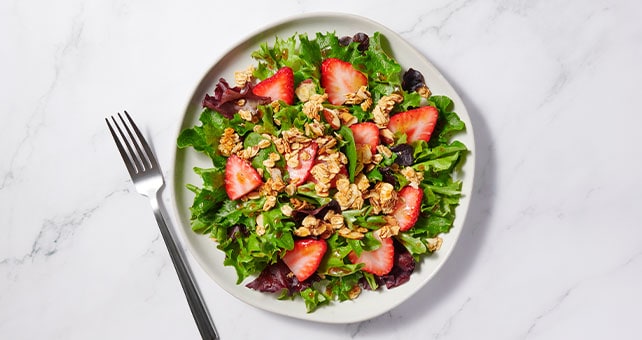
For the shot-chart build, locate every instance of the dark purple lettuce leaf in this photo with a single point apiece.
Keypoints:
(388, 175)
(402, 269)
(276, 277)
(404, 154)
(225, 99)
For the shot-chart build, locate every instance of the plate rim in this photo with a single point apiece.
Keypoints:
(461, 215)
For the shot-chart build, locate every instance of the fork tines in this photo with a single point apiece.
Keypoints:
(136, 159)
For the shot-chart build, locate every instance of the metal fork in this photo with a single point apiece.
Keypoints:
(148, 179)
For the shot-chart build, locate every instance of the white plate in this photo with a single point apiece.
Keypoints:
(369, 304)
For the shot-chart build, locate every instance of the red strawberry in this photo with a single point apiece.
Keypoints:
(279, 86)
(366, 133)
(379, 261)
(406, 210)
(417, 124)
(304, 259)
(339, 78)
(301, 172)
(240, 177)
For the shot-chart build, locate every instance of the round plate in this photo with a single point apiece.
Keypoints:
(369, 304)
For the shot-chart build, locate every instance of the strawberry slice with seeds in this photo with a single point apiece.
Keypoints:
(340, 78)
(379, 261)
(406, 211)
(280, 86)
(417, 124)
(300, 173)
(304, 259)
(240, 177)
(366, 133)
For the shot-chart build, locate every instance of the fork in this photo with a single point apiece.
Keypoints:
(148, 179)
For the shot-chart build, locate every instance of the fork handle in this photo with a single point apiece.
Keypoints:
(196, 304)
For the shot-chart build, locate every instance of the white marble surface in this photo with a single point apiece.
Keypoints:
(553, 243)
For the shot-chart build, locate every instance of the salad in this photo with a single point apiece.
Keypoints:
(333, 170)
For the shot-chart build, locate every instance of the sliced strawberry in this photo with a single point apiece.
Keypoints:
(301, 172)
(303, 260)
(240, 177)
(379, 261)
(279, 86)
(408, 205)
(340, 78)
(417, 124)
(366, 133)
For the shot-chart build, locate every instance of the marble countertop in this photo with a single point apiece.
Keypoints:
(551, 248)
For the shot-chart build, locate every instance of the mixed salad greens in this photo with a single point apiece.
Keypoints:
(332, 168)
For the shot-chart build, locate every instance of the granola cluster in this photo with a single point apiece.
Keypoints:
(314, 105)
(324, 228)
(243, 77)
(362, 97)
(326, 171)
(414, 177)
(381, 112)
(230, 142)
(383, 198)
(348, 194)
